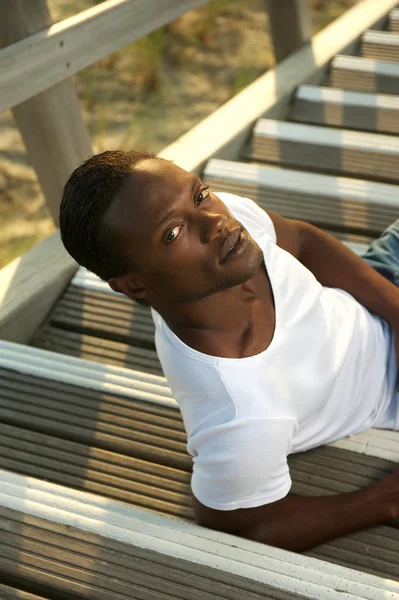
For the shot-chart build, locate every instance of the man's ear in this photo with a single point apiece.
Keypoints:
(129, 285)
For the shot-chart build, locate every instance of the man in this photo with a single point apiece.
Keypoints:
(274, 337)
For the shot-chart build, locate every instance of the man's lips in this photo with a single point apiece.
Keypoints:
(230, 243)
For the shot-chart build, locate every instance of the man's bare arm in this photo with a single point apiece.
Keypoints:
(334, 265)
(299, 523)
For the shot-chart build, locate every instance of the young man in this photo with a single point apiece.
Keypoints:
(274, 337)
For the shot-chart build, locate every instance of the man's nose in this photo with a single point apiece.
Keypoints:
(213, 224)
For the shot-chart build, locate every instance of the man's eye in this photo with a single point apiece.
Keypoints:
(172, 235)
(202, 195)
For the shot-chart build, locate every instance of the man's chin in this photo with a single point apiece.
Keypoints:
(246, 272)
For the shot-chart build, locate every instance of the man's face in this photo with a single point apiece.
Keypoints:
(182, 241)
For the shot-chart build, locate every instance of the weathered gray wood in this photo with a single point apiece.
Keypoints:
(97, 567)
(334, 203)
(394, 21)
(76, 414)
(98, 349)
(381, 45)
(104, 315)
(30, 285)
(339, 151)
(91, 469)
(223, 133)
(55, 53)
(118, 536)
(364, 75)
(51, 123)
(12, 593)
(290, 25)
(350, 110)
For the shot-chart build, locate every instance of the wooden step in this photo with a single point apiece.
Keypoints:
(381, 45)
(350, 110)
(12, 593)
(134, 451)
(364, 75)
(76, 543)
(87, 467)
(97, 349)
(335, 203)
(340, 151)
(167, 491)
(103, 314)
(394, 21)
(74, 564)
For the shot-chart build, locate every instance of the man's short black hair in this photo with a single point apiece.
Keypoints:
(87, 195)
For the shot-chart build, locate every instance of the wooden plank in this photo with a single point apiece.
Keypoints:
(340, 151)
(124, 478)
(98, 349)
(132, 479)
(350, 110)
(29, 287)
(58, 51)
(85, 279)
(394, 21)
(108, 421)
(290, 25)
(364, 75)
(86, 374)
(374, 442)
(381, 45)
(99, 557)
(51, 123)
(104, 314)
(160, 538)
(12, 593)
(223, 133)
(335, 203)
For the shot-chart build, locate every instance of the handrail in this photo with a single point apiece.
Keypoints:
(55, 53)
(32, 283)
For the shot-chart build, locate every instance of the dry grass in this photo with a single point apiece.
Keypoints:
(146, 95)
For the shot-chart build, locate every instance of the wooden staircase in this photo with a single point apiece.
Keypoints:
(86, 406)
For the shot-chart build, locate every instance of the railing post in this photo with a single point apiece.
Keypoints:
(51, 123)
(290, 25)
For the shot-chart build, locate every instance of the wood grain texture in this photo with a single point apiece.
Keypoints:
(57, 52)
(29, 287)
(162, 542)
(364, 75)
(51, 123)
(327, 149)
(290, 25)
(350, 110)
(224, 132)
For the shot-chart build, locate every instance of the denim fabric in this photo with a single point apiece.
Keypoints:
(383, 253)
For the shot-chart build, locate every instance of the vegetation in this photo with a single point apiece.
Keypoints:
(147, 95)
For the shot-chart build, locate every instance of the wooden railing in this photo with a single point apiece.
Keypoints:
(290, 25)
(31, 284)
(38, 59)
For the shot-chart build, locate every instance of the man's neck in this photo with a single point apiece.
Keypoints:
(227, 323)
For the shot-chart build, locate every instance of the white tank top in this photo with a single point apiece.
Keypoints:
(329, 372)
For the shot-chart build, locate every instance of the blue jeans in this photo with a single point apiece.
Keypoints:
(383, 256)
(383, 253)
